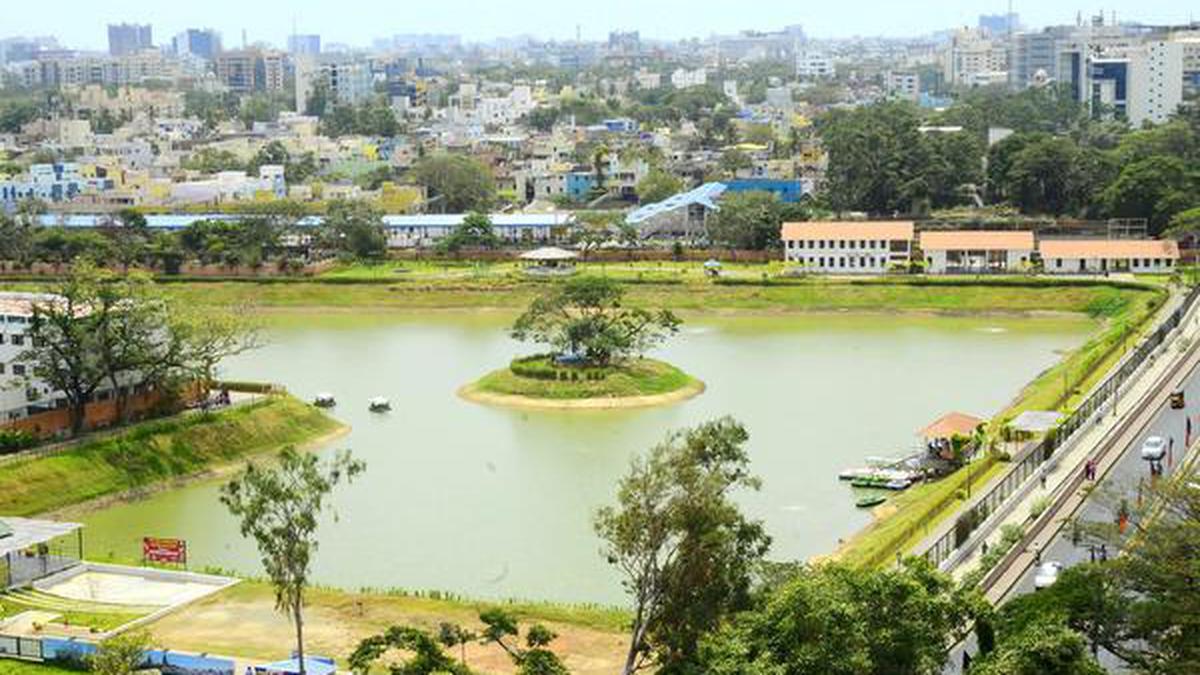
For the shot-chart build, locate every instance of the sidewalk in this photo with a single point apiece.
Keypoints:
(1069, 460)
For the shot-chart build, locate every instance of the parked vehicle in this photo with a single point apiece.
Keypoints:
(1177, 400)
(325, 401)
(1154, 448)
(379, 404)
(1047, 573)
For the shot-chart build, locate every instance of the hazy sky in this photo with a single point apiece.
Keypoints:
(81, 23)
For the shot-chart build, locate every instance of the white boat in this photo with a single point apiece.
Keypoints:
(324, 401)
(379, 404)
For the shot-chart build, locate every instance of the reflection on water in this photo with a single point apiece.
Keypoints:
(497, 502)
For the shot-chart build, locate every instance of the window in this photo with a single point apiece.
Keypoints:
(2, 366)
(1, 338)
(18, 369)
(842, 262)
(18, 340)
(1058, 262)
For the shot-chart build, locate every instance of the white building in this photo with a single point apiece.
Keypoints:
(903, 85)
(814, 66)
(977, 251)
(1156, 82)
(685, 79)
(971, 54)
(848, 247)
(346, 81)
(19, 391)
(1090, 256)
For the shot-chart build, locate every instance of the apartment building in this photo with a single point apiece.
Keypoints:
(250, 70)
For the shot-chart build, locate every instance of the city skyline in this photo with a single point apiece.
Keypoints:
(356, 22)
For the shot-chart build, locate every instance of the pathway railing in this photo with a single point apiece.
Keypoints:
(991, 500)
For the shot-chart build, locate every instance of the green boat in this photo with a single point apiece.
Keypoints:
(868, 502)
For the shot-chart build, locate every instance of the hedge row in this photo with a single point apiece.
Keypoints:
(542, 368)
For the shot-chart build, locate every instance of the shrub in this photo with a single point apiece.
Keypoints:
(15, 440)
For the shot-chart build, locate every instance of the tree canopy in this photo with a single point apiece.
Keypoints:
(683, 548)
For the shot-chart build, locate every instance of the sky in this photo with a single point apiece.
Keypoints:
(81, 23)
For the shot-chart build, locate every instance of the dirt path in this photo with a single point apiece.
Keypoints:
(242, 622)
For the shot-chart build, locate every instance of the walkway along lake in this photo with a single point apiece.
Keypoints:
(493, 502)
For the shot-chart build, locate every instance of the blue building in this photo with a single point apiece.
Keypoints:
(579, 185)
(788, 191)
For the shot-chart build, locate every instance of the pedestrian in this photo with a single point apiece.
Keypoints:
(1043, 480)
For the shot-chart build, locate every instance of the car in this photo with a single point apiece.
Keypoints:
(1046, 575)
(1154, 448)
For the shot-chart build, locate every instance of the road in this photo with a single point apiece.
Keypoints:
(1125, 477)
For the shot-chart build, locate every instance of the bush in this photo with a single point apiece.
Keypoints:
(15, 440)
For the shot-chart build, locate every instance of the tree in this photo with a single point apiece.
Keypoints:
(459, 182)
(1155, 188)
(1046, 174)
(681, 544)
(657, 186)
(835, 619)
(535, 658)
(279, 508)
(424, 654)
(872, 157)
(748, 220)
(123, 654)
(208, 337)
(733, 161)
(542, 118)
(354, 227)
(1041, 648)
(475, 231)
(68, 334)
(585, 317)
(16, 240)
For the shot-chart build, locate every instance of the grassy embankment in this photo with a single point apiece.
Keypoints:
(633, 378)
(910, 516)
(152, 453)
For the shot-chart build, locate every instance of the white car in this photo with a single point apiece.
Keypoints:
(1154, 449)
(1046, 575)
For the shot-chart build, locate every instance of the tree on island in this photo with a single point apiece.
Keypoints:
(684, 549)
(279, 507)
(585, 318)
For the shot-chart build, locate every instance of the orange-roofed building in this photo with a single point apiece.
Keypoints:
(848, 247)
(1090, 256)
(977, 251)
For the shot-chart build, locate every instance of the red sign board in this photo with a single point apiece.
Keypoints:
(159, 550)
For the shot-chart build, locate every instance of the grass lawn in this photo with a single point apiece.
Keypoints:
(14, 667)
(688, 291)
(635, 377)
(157, 451)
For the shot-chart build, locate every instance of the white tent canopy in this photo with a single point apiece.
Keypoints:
(549, 254)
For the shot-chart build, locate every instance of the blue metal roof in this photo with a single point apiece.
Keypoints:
(706, 195)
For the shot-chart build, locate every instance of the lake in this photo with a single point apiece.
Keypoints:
(494, 502)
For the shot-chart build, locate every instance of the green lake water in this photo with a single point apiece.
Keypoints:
(494, 502)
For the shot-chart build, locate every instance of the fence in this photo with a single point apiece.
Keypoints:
(1031, 459)
(76, 651)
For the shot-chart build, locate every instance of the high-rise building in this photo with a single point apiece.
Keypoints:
(1140, 83)
(1033, 59)
(129, 38)
(304, 45)
(972, 58)
(202, 43)
(249, 70)
(345, 80)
